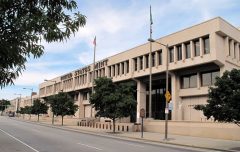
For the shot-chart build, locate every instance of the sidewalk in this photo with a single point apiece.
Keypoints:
(198, 142)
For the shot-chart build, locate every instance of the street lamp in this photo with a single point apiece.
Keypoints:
(31, 94)
(19, 100)
(167, 104)
(54, 94)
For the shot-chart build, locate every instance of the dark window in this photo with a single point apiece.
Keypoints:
(122, 64)
(153, 59)
(229, 49)
(141, 62)
(189, 81)
(127, 62)
(160, 57)
(113, 70)
(110, 72)
(135, 64)
(234, 51)
(209, 78)
(147, 61)
(171, 55)
(188, 50)
(84, 95)
(118, 69)
(206, 45)
(196, 48)
(179, 52)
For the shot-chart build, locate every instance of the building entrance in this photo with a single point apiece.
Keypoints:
(158, 99)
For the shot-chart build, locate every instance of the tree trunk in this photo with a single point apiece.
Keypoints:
(113, 125)
(62, 120)
(38, 117)
(53, 119)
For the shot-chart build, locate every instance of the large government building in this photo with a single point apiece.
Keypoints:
(196, 55)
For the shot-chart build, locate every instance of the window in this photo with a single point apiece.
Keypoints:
(135, 64)
(206, 45)
(84, 95)
(118, 69)
(153, 59)
(171, 55)
(189, 81)
(147, 61)
(110, 71)
(160, 57)
(122, 65)
(229, 49)
(113, 69)
(179, 52)
(188, 50)
(209, 78)
(127, 62)
(196, 48)
(234, 51)
(141, 62)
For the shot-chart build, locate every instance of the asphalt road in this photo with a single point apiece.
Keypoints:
(18, 136)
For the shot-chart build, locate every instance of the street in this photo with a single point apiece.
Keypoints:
(29, 137)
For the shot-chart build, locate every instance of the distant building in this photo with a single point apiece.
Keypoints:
(196, 56)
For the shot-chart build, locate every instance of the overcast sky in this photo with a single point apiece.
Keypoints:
(119, 25)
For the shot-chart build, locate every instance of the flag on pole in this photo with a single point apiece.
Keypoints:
(95, 41)
(151, 21)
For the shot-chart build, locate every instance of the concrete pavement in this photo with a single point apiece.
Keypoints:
(207, 143)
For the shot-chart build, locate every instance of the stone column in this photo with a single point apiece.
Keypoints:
(201, 46)
(81, 106)
(183, 52)
(192, 49)
(141, 98)
(226, 44)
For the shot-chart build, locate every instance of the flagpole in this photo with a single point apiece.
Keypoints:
(93, 73)
(150, 68)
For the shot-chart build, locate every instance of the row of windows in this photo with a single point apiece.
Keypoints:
(67, 84)
(206, 78)
(233, 48)
(187, 48)
(118, 69)
(142, 62)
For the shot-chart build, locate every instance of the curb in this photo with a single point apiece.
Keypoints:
(126, 138)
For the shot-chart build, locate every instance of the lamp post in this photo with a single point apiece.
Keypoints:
(54, 94)
(167, 104)
(19, 100)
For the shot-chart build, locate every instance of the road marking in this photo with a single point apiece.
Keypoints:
(19, 140)
(136, 145)
(89, 146)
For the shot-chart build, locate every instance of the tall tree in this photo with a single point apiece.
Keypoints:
(62, 104)
(223, 103)
(113, 100)
(3, 105)
(25, 23)
(28, 110)
(39, 108)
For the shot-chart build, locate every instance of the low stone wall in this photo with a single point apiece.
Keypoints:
(199, 129)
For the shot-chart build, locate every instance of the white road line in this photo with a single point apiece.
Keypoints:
(136, 145)
(19, 140)
(89, 146)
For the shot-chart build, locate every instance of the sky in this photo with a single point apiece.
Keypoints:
(119, 25)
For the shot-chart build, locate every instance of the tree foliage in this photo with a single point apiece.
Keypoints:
(223, 103)
(3, 105)
(62, 104)
(25, 23)
(112, 100)
(39, 108)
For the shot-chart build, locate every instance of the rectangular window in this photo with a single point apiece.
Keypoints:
(229, 49)
(196, 48)
(188, 50)
(234, 51)
(189, 81)
(122, 65)
(109, 71)
(141, 62)
(127, 62)
(147, 61)
(113, 68)
(153, 59)
(179, 52)
(118, 69)
(206, 45)
(135, 64)
(171, 55)
(160, 57)
(209, 78)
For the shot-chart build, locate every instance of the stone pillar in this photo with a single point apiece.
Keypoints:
(81, 106)
(175, 54)
(192, 49)
(201, 46)
(120, 71)
(141, 98)
(144, 62)
(183, 52)
(125, 67)
(138, 63)
(237, 51)
(232, 48)
(226, 44)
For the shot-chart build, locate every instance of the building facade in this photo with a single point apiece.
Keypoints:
(196, 55)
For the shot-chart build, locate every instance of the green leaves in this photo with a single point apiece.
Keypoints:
(39, 107)
(25, 23)
(3, 104)
(111, 100)
(224, 97)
